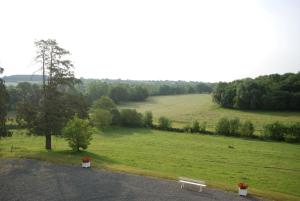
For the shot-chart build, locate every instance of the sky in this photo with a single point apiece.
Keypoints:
(201, 40)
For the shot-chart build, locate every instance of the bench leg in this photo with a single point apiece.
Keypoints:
(200, 190)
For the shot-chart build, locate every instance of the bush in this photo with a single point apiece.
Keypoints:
(196, 127)
(203, 127)
(293, 133)
(164, 123)
(107, 104)
(131, 118)
(247, 129)
(234, 125)
(223, 126)
(148, 119)
(101, 118)
(228, 127)
(275, 131)
(78, 133)
(116, 117)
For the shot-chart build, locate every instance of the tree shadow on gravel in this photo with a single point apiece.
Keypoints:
(71, 157)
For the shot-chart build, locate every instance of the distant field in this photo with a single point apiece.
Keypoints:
(183, 109)
(271, 169)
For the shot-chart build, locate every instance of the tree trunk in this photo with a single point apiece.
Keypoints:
(48, 141)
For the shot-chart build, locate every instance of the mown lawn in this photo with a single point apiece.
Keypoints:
(183, 109)
(271, 169)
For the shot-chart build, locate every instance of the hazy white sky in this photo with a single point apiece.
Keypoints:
(212, 40)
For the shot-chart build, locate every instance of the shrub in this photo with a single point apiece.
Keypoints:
(223, 126)
(131, 118)
(116, 117)
(293, 133)
(234, 125)
(203, 127)
(164, 123)
(247, 129)
(228, 126)
(101, 118)
(78, 133)
(148, 119)
(196, 127)
(274, 131)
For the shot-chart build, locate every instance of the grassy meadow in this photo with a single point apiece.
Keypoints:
(271, 169)
(183, 109)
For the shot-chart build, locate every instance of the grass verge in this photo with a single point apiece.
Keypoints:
(271, 169)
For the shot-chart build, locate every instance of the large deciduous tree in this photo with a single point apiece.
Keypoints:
(3, 106)
(57, 78)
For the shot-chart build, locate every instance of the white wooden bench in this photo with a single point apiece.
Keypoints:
(183, 180)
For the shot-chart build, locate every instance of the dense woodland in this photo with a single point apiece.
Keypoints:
(270, 92)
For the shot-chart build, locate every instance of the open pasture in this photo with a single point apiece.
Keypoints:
(271, 169)
(183, 109)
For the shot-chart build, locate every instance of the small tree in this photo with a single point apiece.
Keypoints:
(148, 119)
(164, 123)
(78, 133)
(107, 104)
(247, 129)
(101, 118)
(104, 103)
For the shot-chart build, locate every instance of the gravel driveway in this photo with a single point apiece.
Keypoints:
(22, 180)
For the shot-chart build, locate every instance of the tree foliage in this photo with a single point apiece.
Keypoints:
(45, 110)
(148, 119)
(131, 118)
(164, 123)
(247, 129)
(104, 112)
(119, 94)
(78, 133)
(3, 107)
(101, 118)
(274, 92)
(228, 127)
(105, 103)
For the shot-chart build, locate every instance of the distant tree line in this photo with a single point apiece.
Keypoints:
(117, 90)
(127, 90)
(270, 92)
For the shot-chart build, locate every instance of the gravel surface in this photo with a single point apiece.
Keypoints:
(31, 180)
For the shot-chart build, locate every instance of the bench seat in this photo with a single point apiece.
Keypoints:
(192, 182)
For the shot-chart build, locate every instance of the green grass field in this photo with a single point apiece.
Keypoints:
(183, 109)
(271, 169)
